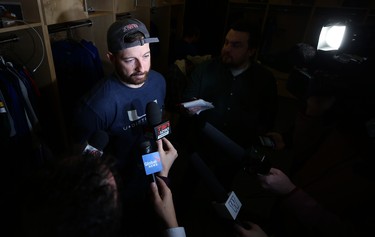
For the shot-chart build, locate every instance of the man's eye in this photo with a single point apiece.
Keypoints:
(128, 60)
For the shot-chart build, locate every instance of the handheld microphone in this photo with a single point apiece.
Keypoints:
(96, 144)
(154, 118)
(151, 160)
(155, 130)
(226, 205)
(253, 160)
(234, 150)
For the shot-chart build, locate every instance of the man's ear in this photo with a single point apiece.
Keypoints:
(110, 56)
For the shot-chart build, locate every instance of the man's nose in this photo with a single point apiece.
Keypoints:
(139, 65)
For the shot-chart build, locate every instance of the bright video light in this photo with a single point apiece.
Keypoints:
(331, 37)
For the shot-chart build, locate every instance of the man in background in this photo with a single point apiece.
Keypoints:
(242, 91)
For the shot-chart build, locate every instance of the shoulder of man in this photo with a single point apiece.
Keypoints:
(156, 79)
(262, 68)
(155, 74)
(211, 65)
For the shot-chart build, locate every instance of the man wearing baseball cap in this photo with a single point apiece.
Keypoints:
(117, 105)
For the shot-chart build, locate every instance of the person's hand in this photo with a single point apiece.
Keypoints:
(277, 139)
(162, 199)
(276, 181)
(183, 111)
(254, 231)
(167, 156)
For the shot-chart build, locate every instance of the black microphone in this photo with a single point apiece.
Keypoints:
(96, 144)
(159, 129)
(234, 150)
(253, 159)
(227, 205)
(151, 160)
(155, 130)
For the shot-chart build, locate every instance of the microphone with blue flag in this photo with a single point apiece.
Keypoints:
(151, 160)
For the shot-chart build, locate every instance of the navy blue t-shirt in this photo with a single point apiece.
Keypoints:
(121, 112)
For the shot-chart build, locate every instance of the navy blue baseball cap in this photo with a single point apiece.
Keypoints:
(122, 28)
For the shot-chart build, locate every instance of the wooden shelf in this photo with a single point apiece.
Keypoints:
(34, 48)
(19, 27)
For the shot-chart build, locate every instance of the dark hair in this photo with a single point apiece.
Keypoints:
(253, 30)
(72, 198)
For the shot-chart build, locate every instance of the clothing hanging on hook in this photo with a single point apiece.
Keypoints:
(21, 136)
(78, 67)
(20, 97)
(19, 117)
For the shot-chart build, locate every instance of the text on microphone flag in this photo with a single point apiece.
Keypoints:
(152, 162)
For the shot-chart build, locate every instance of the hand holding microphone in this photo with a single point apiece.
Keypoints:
(161, 197)
(159, 161)
(168, 156)
(96, 144)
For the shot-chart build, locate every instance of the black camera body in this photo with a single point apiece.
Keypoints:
(328, 74)
(345, 72)
(256, 161)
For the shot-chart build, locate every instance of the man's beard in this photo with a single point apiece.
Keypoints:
(230, 62)
(227, 60)
(134, 79)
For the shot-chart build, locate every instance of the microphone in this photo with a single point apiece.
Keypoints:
(96, 144)
(226, 205)
(253, 159)
(151, 160)
(228, 145)
(155, 130)
(154, 118)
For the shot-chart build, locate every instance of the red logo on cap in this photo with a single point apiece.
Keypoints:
(130, 27)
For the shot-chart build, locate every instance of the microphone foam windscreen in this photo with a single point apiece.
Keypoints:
(99, 140)
(153, 113)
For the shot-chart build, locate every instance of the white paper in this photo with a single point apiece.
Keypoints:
(198, 105)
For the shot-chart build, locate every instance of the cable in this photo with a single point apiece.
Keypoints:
(41, 42)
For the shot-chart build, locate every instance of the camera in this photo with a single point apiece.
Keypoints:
(266, 141)
(256, 161)
(324, 73)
